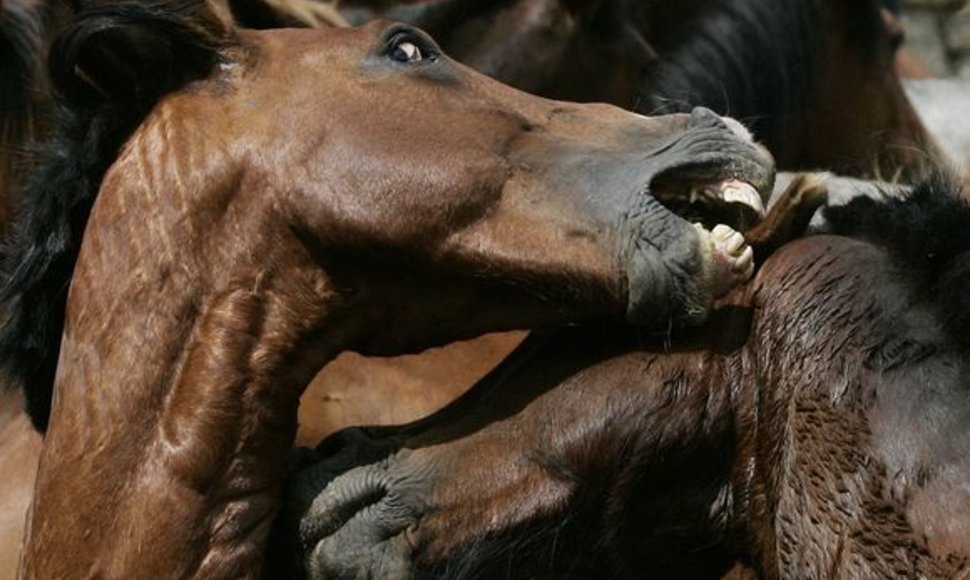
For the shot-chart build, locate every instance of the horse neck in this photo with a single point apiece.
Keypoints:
(863, 362)
(178, 381)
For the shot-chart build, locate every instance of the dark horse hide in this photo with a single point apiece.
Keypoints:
(816, 427)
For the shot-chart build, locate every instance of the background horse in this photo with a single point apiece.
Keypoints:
(816, 427)
(233, 243)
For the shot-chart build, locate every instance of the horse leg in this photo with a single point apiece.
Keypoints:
(560, 462)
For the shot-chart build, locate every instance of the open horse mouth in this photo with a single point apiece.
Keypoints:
(729, 201)
(727, 179)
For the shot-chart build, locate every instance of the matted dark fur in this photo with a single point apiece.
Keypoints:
(928, 235)
(97, 113)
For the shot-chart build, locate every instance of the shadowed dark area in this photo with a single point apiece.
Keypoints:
(22, 41)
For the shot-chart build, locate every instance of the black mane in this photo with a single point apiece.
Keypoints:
(928, 236)
(754, 60)
(108, 69)
(22, 30)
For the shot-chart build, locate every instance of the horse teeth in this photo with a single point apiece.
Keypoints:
(734, 191)
(734, 242)
(745, 262)
(722, 232)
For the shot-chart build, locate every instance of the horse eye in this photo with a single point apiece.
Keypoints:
(406, 51)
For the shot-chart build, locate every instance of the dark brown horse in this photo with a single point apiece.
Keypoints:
(815, 427)
(253, 203)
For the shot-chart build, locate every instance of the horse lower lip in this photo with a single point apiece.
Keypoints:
(735, 191)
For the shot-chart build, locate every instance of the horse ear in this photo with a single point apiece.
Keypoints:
(134, 52)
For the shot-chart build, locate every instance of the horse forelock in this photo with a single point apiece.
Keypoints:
(44, 237)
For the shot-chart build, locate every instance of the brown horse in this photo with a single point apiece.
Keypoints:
(815, 427)
(253, 203)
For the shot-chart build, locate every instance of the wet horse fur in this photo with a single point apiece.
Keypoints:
(224, 211)
(815, 427)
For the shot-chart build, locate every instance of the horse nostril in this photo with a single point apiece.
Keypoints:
(738, 129)
(702, 117)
